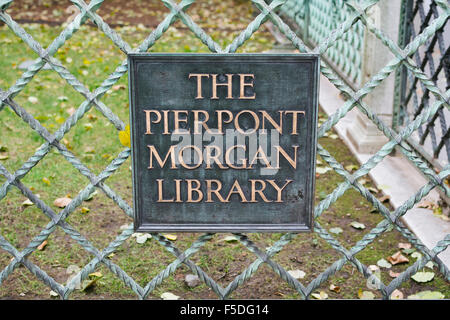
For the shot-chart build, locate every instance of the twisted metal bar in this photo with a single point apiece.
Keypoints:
(178, 11)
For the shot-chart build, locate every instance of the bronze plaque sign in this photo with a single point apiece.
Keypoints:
(223, 142)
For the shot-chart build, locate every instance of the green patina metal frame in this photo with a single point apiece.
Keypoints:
(315, 19)
(356, 14)
(410, 93)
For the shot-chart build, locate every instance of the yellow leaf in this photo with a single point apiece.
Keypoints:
(95, 275)
(85, 210)
(92, 117)
(67, 144)
(46, 181)
(170, 237)
(124, 137)
(59, 119)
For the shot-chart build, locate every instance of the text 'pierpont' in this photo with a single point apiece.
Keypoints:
(212, 157)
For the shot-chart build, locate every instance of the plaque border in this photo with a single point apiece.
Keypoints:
(139, 226)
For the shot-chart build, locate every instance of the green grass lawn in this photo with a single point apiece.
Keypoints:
(91, 57)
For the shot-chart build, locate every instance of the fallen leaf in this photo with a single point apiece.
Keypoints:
(397, 295)
(86, 284)
(92, 117)
(33, 100)
(416, 255)
(142, 237)
(427, 295)
(365, 295)
(59, 119)
(384, 198)
(426, 204)
(27, 203)
(67, 143)
(397, 258)
(118, 87)
(334, 288)
(169, 296)
(336, 230)
(373, 268)
(383, 263)
(333, 136)
(430, 265)
(95, 275)
(124, 137)
(423, 276)
(170, 237)
(53, 294)
(408, 251)
(91, 196)
(322, 170)
(357, 225)
(85, 210)
(89, 150)
(351, 167)
(4, 157)
(62, 202)
(404, 245)
(437, 211)
(230, 239)
(322, 295)
(363, 181)
(393, 274)
(372, 189)
(46, 181)
(42, 245)
(93, 278)
(297, 274)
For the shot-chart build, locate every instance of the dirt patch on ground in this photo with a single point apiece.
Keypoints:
(119, 13)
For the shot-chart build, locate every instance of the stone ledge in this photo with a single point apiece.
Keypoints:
(397, 172)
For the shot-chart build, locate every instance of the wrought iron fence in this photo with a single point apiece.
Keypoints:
(432, 138)
(315, 19)
(355, 14)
